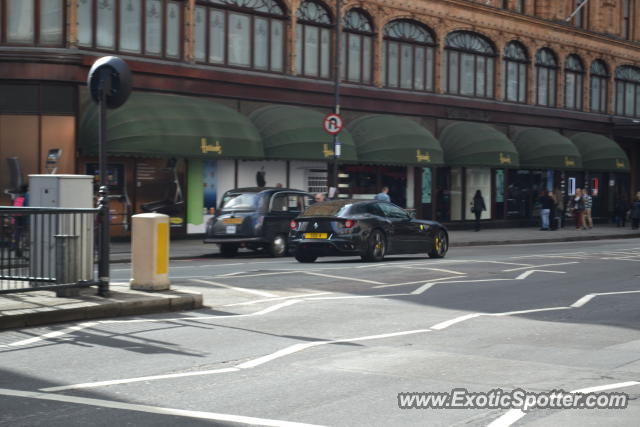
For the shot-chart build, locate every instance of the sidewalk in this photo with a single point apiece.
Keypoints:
(43, 307)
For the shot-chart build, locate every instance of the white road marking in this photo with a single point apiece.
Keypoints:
(422, 289)
(447, 323)
(313, 273)
(585, 299)
(138, 379)
(543, 265)
(151, 409)
(235, 288)
(258, 301)
(53, 334)
(514, 415)
(435, 269)
(530, 272)
(416, 282)
(357, 297)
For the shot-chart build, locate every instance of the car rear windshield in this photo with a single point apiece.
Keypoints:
(240, 201)
(332, 208)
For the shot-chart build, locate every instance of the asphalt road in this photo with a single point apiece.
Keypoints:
(335, 342)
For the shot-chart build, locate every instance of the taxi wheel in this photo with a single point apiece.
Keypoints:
(278, 246)
(305, 258)
(376, 247)
(228, 249)
(440, 245)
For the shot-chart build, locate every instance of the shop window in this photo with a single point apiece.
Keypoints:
(455, 194)
(599, 86)
(469, 65)
(34, 22)
(478, 179)
(546, 72)
(240, 33)
(573, 72)
(146, 27)
(357, 47)
(628, 91)
(408, 56)
(316, 180)
(313, 40)
(515, 73)
(522, 192)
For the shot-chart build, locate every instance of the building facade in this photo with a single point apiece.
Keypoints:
(441, 98)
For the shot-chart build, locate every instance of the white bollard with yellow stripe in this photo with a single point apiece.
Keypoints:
(150, 252)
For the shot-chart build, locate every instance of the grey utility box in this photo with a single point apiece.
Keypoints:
(70, 234)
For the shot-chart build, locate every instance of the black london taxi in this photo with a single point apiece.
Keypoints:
(256, 218)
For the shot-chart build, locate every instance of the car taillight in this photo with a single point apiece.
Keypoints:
(293, 225)
(349, 223)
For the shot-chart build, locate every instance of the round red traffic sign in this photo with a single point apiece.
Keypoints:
(332, 123)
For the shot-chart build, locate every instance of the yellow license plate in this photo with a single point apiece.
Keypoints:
(316, 236)
(232, 221)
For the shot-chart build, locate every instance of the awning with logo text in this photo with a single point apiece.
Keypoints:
(389, 140)
(477, 144)
(600, 153)
(296, 133)
(159, 125)
(546, 149)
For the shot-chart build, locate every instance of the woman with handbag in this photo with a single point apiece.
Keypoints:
(477, 206)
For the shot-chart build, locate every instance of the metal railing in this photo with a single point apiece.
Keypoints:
(46, 248)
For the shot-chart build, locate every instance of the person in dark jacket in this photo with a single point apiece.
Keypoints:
(546, 206)
(477, 206)
(635, 212)
(620, 211)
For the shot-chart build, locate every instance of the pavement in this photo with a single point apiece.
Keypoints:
(43, 307)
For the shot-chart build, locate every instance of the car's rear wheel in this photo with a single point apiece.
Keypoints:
(228, 249)
(376, 247)
(278, 245)
(440, 245)
(305, 258)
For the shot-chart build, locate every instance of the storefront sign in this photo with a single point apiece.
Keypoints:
(426, 157)
(505, 159)
(569, 162)
(620, 164)
(206, 148)
(326, 151)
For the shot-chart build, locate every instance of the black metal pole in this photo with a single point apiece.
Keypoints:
(103, 192)
(338, 56)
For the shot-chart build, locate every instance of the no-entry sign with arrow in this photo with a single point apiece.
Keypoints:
(332, 124)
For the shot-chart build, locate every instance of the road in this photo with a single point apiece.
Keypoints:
(335, 342)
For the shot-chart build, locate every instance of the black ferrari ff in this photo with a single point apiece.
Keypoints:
(370, 229)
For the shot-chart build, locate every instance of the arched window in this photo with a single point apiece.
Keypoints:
(33, 22)
(599, 86)
(469, 65)
(313, 40)
(150, 27)
(573, 72)
(628, 91)
(408, 56)
(546, 71)
(515, 76)
(240, 33)
(357, 47)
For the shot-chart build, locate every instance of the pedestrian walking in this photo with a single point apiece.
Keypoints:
(577, 206)
(546, 206)
(383, 195)
(620, 210)
(635, 212)
(588, 203)
(477, 206)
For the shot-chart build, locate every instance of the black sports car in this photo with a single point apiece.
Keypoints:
(370, 229)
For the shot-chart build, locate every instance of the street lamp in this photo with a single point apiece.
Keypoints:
(109, 83)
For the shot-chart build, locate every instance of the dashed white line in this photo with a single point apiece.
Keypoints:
(258, 301)
(354, 279)
(542, 265)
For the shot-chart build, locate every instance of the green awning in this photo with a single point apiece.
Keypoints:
(382, 139)
(477, 144)
(600, 153)
(546, 149)
(158, 125)
(296, 133)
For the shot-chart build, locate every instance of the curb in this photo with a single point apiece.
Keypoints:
(156, 303)
(530, 241)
